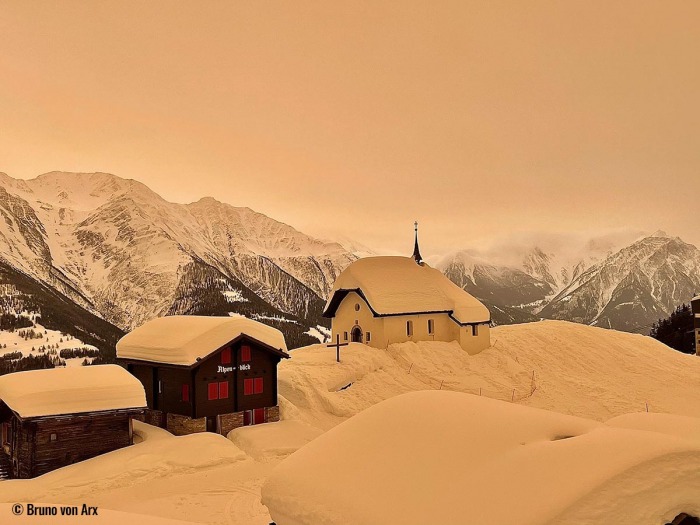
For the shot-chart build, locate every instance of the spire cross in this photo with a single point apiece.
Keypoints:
(416, 251)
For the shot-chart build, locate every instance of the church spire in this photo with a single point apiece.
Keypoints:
(416, 251)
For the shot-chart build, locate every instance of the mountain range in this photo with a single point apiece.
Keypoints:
(98, 255)
(626, 288)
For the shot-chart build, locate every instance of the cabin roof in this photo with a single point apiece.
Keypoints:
(186, 339)
(71, 390)
(400, 286)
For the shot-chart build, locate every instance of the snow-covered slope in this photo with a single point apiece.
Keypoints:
(632, 288)
(122, 252)
(601, 282)
(446, 457)
(565, 367)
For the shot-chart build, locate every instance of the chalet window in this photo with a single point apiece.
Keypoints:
(186, 392)
(247, 387)
(431, 327)
(409, 328)
(212, 391)
(369, 336)
(160, 386)
(258, 385)
(52, 437)
(226, 356)
(357, 307)
(475, 330)
(345, 336)
(223, 390)
(245, 353)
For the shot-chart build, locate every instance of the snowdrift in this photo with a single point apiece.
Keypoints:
(453, 458)
(556, 365)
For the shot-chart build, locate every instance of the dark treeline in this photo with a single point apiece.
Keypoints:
(676, 330)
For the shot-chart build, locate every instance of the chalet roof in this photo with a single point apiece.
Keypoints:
(185, 339)
(71, 390)
(399, 285)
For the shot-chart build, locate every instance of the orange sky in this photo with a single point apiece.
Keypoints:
(477, 118)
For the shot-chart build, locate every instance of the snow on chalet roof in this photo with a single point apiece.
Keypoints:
(398, 285)
(71, 390)
(183, 339)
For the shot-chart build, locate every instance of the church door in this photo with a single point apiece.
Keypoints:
(356, 334)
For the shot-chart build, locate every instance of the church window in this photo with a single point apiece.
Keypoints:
(369, 336)
(357, 307)
(475, 330)
(431, 327)
(345, 336)
(409, 328)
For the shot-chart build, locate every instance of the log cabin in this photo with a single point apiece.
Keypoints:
(55, 417)
(205, 373)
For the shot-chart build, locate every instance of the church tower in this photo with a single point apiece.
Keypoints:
(416, 252)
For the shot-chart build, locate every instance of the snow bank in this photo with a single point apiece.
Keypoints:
(447, 457)
(398, 285)
(183, 339)
(71, 390)
(165, 475)
(273, 441)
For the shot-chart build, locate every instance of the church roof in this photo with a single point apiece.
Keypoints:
(400, 286)
(185, 339)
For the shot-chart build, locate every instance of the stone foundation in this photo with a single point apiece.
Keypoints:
(272, 414)
(225, 423)
(152, 417)
(183, 425)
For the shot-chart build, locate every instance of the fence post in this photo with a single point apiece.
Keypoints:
(441, 382)
(513, 397)
(479, 390)
(409, 368)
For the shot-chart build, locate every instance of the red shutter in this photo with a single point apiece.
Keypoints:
(213, 391)
(247, 387)
(245, 353)
(185, 392)
(226, 356)
(223, 390)
(258, 388)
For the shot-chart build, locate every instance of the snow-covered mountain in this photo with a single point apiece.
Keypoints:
(626, 288)
(123, 253)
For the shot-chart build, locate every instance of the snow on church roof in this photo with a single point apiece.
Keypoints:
(398, 285)
(183, 339)
(71, 390)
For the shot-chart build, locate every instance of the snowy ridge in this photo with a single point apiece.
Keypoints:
(121, 251)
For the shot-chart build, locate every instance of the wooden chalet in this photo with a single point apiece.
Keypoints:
(205, 373)
(52, 418)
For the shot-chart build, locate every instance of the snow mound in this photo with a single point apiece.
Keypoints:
(273, 441)
(71, 390)
(184, 339)
(447, 457)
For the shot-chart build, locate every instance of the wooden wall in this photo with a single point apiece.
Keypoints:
(77, 438)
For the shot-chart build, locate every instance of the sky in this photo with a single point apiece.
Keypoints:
(481, 120)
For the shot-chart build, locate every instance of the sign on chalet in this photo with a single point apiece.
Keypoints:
(55, 417)
(205, 373)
